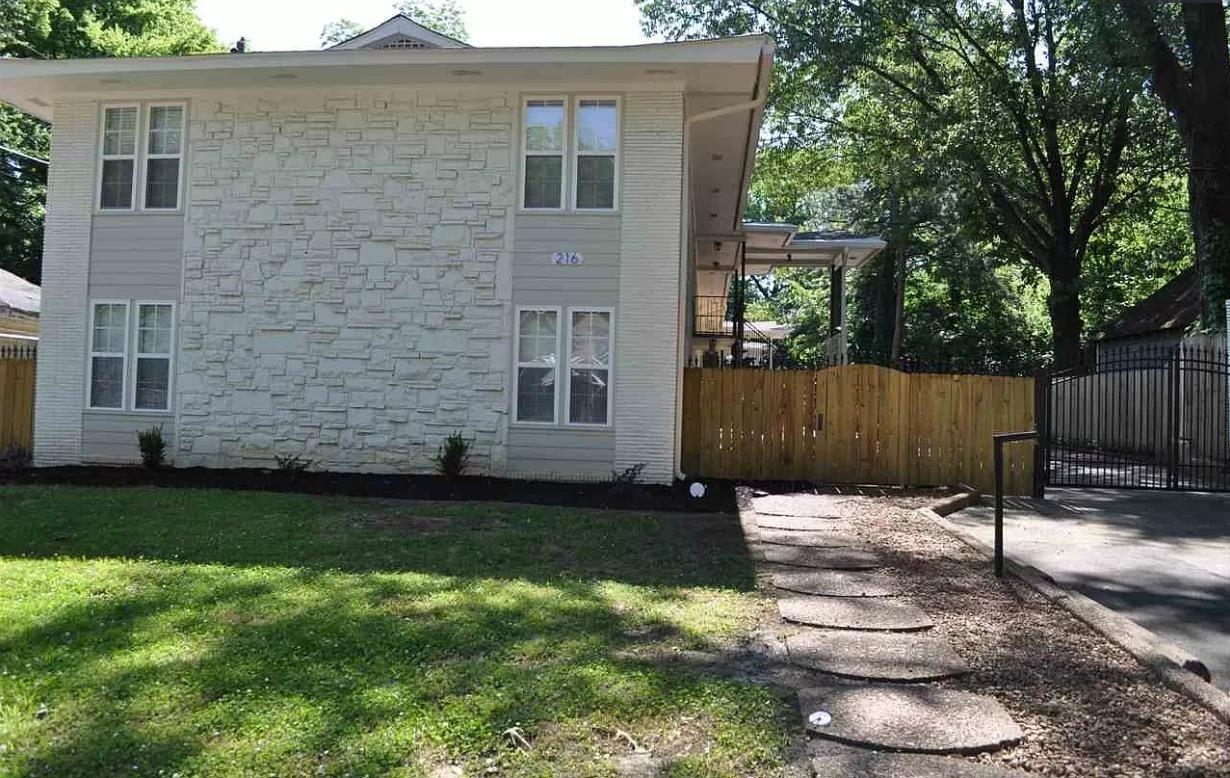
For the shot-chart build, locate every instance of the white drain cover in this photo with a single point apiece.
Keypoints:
(820, 719)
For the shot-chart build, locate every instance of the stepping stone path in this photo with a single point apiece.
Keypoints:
(838, 583)
(860, 628)
(882, 613)
(876, 656)
(827, 558)
(810, 539)
(923, 719)
(872, 764)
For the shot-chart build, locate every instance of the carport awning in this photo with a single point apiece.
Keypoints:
(769, 246)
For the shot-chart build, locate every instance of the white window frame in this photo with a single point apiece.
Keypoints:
(147, 156)
(104, 157)
(564, 154)
(577, 153)
(135, 343)
(610, 368)
(91, 354)
(518, 364)
(141, 157)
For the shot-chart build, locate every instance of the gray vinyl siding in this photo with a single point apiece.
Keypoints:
(111, 438)
(539, 281)
(137, 256)
(559, 451)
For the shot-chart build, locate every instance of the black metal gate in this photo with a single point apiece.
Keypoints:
(1138, 417)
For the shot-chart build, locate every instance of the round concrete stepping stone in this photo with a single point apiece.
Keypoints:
(838, 583)
(803, 523)
(811, 539)
(874, 764)
(806, 504)
(824, 558)
(876, 656)
(854, 613)
(909, 718)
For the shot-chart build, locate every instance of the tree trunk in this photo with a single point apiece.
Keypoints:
(1208, 187)
(1064, 305)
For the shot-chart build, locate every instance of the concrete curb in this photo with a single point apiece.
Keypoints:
(1176, 668)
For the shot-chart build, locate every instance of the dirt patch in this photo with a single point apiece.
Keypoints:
(719, 496)
(1086, 706)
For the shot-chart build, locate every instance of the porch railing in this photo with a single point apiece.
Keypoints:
(710, 316)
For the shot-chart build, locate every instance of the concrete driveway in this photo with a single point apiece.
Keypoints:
(1160, 558)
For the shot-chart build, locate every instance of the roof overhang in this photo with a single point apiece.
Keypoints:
(770, 246)
(721, 67)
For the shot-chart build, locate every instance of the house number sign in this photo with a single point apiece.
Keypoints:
(567, 258)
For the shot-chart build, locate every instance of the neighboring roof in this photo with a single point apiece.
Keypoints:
(771, 245)
(718, 66)
(18, 294)
(1174, 307)
(393, 33)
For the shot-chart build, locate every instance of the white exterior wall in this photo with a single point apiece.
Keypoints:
(647, 370)
(343, 253)
(60, 385)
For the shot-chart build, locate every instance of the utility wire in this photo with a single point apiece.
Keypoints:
(23, 155)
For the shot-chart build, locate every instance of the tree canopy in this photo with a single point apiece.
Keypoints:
(1018, 127)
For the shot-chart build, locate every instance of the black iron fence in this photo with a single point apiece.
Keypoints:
(1149, 417)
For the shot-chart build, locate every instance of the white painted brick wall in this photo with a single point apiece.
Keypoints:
(340, 299)
(60, 385)
(647, 325)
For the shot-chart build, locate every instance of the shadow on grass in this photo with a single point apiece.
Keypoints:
(278, 634)
(536, 543)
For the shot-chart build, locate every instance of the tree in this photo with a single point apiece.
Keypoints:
(336, 32)
(52, 29)
(443, 16)
(1185, 44)
(1037, 122)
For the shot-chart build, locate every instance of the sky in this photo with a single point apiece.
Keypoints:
(272, 25)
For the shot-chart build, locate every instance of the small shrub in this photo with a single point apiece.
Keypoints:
(293, 463)
(630, 475)
(153, 448)
(15, 458)
(454, 456)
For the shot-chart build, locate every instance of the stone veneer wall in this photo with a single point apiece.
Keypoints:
(346, 292)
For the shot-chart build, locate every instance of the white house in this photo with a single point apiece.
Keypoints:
(350, 254)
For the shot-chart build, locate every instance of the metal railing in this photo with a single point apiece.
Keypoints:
(710, 316)
(1000, 439)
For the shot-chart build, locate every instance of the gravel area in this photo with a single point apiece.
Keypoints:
(1087, 708)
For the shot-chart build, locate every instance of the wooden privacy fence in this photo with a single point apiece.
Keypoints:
(16, 396)
(856, 424)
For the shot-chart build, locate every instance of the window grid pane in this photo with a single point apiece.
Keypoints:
(162, 183)
(591, 339)
(154, 330)
(166, 125)
(120, 132)
(544, 178)
(117, 183)
(595, 182)
(588, 392)
(536, 394)
(153, 383)
(110, 326)
(107, 382)
(597, 125)
(544, 125)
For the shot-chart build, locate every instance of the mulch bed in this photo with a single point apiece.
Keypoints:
(1088, 708)
(719, 496)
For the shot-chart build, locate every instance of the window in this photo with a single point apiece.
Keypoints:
(597, 143)
(149, 338)
(586, 387)
(544, 153)
(537, 360)
(589, 367)
(119, 157)
(108, 341)
(153, 380)
(154, 159)
(591, 153)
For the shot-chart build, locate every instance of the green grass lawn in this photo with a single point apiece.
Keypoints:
(161, 631)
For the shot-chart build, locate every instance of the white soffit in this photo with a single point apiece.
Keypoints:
(719, 66)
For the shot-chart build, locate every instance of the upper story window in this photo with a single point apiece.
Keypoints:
(562, 169)
(142, 157)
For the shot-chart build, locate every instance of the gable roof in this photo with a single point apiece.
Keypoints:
(401, 32)
(1173, 308)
